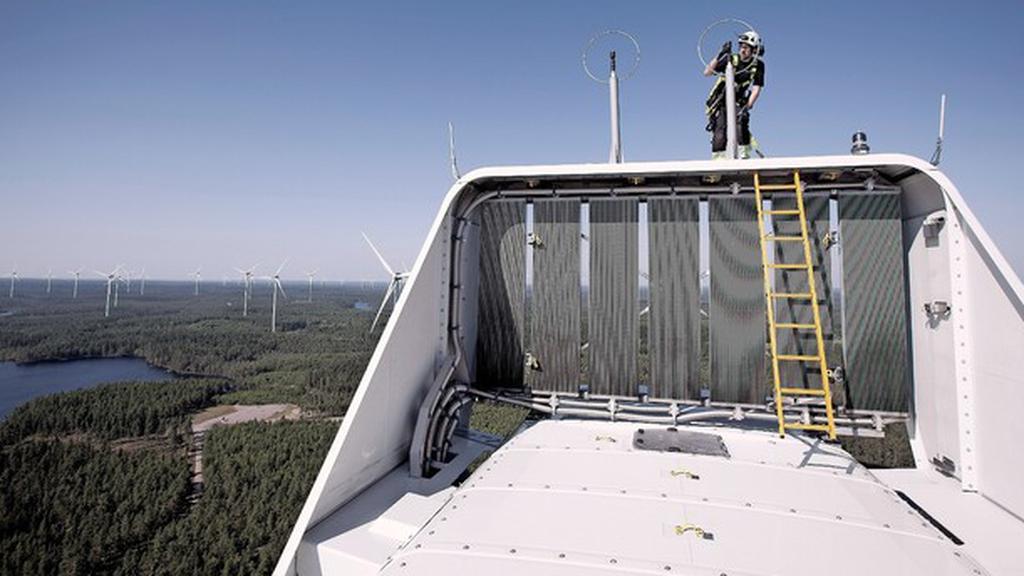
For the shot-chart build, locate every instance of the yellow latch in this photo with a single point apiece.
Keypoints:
(682, 529)
(685, 473)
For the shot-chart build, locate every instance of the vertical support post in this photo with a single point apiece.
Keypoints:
(615, 155)
(731, 141)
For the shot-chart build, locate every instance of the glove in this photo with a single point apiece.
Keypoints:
(725, 51)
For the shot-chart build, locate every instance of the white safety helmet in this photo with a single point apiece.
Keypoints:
(751, 38)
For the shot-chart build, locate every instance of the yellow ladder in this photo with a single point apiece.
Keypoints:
(812, 295)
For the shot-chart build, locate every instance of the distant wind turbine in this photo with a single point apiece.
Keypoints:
(111, 280)
(76, 274)
(275, 282)
(198, 277)
(142, 282)
(49, 280)
(246, 287)
(14, 278)
(310, 276)
(394, 286)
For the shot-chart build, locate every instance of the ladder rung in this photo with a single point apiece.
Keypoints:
(790, 266)
(796, 326)
(793, 212)
(802, 391)
(798, 357)
(783, 238)
(792, 295)
(802, 426)
(778, 187)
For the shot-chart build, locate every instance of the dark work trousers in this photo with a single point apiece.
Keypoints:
(719, 126)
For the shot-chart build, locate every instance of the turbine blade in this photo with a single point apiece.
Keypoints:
(383, 303)
(280, 287)
(377, 252)
(281, 267)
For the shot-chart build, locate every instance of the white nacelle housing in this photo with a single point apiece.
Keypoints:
(967, 371)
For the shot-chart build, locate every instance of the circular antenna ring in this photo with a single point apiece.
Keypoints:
(712, 26)
(607, 34)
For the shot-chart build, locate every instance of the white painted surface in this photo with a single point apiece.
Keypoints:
(374, 437)
(564, 499)
(990, 535)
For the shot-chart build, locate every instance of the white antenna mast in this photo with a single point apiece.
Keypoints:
(937, 155)
(451, 153)
(615, 152)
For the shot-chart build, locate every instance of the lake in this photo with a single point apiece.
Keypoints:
(20, 383)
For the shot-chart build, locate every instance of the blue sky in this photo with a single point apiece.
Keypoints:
(173, 135)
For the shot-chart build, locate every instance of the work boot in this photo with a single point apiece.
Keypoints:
(744, 152)
(718, 155)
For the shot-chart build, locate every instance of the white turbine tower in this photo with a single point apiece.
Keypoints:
(117, 287)
(49, 280)
(14, 278)
(394, 286)
(142, 282)
(76, 273)
(127, 277)
(275, 282)
(310, 276)
(111, 280)
(246, 287)
(198, 277)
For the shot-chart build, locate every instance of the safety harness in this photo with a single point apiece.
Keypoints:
(717, 95)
